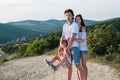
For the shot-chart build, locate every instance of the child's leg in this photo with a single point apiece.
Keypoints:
(54, 59)
(64, 60)
(68, 56)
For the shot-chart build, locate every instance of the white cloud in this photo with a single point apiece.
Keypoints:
(11, 10)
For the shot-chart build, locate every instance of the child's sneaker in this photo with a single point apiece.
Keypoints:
(48, 62)
(67, 65)
(53, 67)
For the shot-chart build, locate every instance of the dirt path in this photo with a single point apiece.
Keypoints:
(34, 68)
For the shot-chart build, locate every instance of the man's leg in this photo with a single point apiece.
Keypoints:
(70, 72)
(76, 58)
(79, 72)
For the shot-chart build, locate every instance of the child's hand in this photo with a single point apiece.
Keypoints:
(67, 51)
(68, 39)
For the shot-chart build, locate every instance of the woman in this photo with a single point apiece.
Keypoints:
(83, 44)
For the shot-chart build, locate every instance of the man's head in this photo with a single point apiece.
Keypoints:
(69, 14)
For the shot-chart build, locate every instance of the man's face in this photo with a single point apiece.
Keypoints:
(68, 16)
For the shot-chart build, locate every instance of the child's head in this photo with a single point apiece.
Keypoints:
(64, 43)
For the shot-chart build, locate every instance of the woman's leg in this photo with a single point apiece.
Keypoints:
(79, 72)
(85, 70)
(69, 71)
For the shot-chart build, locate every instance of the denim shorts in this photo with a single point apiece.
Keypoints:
(75, 52)
(83, 51)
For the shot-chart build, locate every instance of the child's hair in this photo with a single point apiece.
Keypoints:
(64, 41)
(60, 49)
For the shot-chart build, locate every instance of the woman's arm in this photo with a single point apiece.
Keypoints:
(79, 40)
(83, 35)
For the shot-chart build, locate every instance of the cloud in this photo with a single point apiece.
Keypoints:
(11, 10)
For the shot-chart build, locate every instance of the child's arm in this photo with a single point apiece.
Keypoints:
(59, 52)
(67, 53)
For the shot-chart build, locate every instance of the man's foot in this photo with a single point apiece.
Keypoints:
(48, 62)
(53, 67)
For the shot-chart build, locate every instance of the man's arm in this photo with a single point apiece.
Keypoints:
(73, 36)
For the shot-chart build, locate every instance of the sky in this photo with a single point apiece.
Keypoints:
(18, 10)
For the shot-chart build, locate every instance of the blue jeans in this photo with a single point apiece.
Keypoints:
(83, 51)
(75, 52)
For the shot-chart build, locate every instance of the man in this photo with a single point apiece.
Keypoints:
(70, 32)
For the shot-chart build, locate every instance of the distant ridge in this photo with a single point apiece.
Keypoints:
(32, 28)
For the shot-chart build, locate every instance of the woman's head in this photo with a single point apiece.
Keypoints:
(79, 20)
(69, 14)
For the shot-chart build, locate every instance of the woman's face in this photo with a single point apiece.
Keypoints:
(78, 20)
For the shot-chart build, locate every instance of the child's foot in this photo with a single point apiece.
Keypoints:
(48, 62)
(53, 67)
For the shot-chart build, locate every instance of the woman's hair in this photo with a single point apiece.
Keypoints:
(82, 21)
(70, 11)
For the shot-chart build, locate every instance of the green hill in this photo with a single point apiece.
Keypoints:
(8, 33)
(31, 28)
(47, 26)
(114, 21)
(39, 26)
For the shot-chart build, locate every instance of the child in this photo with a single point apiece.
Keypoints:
(63, 57)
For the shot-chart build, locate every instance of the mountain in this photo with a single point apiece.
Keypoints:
(8, 33)
(39, 26)
(31, 28)
(46, 26)
(114, 21)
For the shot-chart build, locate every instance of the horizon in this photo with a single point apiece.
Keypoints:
(55, 19)
(14, 10)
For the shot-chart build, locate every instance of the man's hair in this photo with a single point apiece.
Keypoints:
(70, 11)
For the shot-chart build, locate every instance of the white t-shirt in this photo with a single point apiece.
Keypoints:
(68, 30)
(83, 45)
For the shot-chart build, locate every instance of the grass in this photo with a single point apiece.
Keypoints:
(102, 60)
(52, 52)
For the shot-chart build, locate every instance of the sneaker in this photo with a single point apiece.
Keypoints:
(53, 67)
(66, 65)
(48, 62)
